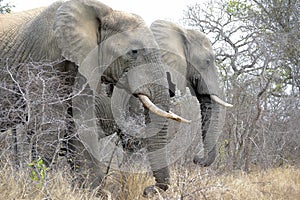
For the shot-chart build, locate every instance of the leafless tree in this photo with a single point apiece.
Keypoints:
(31, 101)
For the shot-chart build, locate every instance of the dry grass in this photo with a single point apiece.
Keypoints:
(20, 186)
(274, 184)
(195, 183)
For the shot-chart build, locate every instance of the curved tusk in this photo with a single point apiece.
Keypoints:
(153, 108)
(220, 101)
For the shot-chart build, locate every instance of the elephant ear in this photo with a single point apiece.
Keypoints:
(76, 27)
(172, 41)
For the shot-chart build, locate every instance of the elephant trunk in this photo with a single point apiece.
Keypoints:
(212, 111)
(156, 135)
(147, 81)
(212, 123)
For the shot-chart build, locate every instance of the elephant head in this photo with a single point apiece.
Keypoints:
(190, 54)
(104, 45)
(121, 41)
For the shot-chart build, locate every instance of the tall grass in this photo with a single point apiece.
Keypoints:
(187, 183)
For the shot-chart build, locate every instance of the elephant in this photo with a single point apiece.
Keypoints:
(191, 64)
(92, 44)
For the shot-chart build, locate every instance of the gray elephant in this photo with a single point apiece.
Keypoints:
(92, 43)
(191, 63)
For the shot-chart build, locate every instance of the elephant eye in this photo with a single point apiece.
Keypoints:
(208, 61)
(103, 26)
(126, 69)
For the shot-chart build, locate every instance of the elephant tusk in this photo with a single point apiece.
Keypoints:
(220, 101)
(153, 108)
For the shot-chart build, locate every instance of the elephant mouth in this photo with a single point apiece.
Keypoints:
(202, 86)
(219, 101)
(156, 110)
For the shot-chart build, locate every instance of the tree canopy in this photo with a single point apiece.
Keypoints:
(5, 7)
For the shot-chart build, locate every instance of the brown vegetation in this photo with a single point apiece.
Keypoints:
(193, 183)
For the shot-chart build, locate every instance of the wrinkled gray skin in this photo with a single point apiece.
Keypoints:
(189, 53)
(69, 31)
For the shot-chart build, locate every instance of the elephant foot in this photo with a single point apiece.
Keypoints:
(152, 190)
(203, 161)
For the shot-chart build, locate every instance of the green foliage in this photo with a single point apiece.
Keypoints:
(39, 170)
(238, 8)
(5, 8)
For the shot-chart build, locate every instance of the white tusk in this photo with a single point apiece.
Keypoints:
(153, 108)
(220, 101)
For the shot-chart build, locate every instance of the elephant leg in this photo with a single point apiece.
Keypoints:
(87, 169)
(162, 178)
(158, 162)
(45, 145)
(46, 136)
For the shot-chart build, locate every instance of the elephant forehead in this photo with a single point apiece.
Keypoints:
(146, 74)
(119, 44)
(147, 69)
(199, 38)
(201, 56)
(121, 21)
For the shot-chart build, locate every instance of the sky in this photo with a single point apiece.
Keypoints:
(149, 10)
